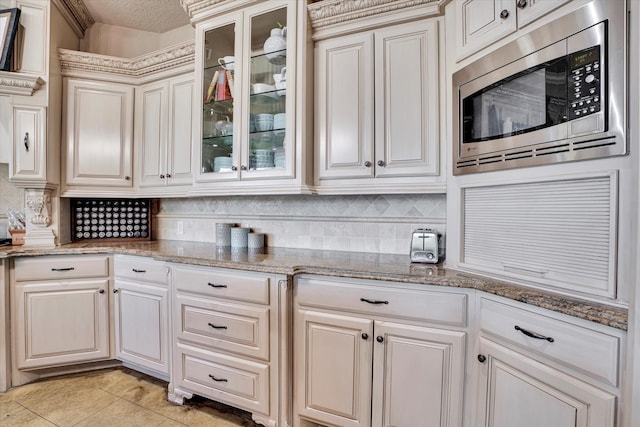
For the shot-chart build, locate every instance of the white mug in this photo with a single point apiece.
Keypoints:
(227, 62)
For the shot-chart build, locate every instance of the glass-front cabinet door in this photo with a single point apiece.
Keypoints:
(248, 111)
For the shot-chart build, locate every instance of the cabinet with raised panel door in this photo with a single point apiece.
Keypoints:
(372, 357)
(483, 22)
(378, 120)
(163, 136)
(536, 368)
(61, 310)
(98, 134)
(142, 314)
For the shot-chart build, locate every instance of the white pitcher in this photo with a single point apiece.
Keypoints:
(275, 46)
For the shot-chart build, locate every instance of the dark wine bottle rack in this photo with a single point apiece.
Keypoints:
(114, 220)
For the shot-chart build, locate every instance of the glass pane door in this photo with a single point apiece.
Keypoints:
(218, 100)
(267, 99)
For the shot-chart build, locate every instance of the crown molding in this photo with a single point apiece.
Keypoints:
(330, 12)
(140, 66)
(76, 14)
(19, 84)
(198, 10)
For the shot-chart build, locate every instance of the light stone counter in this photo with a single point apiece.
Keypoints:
(359, 265)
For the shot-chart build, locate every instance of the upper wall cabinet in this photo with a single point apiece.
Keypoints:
(378, 125)
(163, 123)
(483, 22)
(114, 107)
(99, 133)
(252, 120)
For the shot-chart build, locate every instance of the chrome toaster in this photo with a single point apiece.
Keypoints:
(425, 246)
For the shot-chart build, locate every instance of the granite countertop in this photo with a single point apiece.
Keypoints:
(359, 265)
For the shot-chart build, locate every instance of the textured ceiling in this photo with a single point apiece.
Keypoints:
(157, 16)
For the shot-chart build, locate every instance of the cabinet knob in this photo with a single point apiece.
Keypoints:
(482, 358)
(380, 163)
(365, 336)
(168, 175)
(522, 4)
(504, 14)
(127, 178)
(161, 176)
(379, 338)
(367, 164)
(243, 168)
(101, 291)
(115, 291)
(26, 141)
(234, 168)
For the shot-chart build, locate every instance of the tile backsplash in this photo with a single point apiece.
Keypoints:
(367, 223)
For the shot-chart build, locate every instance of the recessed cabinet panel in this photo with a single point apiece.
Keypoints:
(62, 324)
(180, 144)
(34, 17)
(516, 390)
(406, 116)
(336, 368)
(480, 23)
(420, 373)
(99, 133)
(344, 104)
(151, 106)
(29, 157)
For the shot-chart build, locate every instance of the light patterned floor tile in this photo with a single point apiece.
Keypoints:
(122, 413)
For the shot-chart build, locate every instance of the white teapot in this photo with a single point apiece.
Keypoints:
(275, 46)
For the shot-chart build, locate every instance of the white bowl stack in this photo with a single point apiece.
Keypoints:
(264, 158)
(222, 164)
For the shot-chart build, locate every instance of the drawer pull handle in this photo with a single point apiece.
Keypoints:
(135, 270)
(216, 326)
(215, 285)
(220, 380)
(533, 334)
(63, 269)
(374, 301)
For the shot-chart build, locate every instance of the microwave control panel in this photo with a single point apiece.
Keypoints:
(584, 82)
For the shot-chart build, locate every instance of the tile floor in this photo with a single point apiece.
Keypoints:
(110, 397)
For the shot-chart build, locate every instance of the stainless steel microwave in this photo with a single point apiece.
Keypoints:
(556, 94)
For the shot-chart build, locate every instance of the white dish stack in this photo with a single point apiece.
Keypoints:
(222, 164)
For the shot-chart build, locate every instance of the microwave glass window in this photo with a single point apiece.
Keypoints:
(528, 101)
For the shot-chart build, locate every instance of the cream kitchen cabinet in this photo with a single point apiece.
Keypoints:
(252, 124)
(98, 128)
(142, 314)
(163, 133)
(364, 355)
(29, 159)
(536, 369)
(229, 340)
(61, 310)
(377, 110)
(481, 23)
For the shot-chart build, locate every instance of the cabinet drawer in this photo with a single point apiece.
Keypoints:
(223, 284)
(140, 268)
(589, 351)
(61, 267)
(224, 326)
(224, 378)
(430, 306)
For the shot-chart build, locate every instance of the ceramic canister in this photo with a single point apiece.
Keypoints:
(223, 234)
(255, 241)
(239, 237)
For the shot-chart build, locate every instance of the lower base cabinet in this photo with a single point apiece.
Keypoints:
(372, 369)
(60, 311)
(520, 391)
(142, 314)
(229, 344)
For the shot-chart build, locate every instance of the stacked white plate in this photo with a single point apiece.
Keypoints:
(279, 157)
(222, 164)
